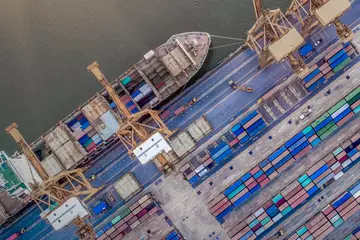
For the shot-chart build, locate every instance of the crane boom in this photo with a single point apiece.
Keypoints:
(94, 69)
(30, 155)
(258, 7)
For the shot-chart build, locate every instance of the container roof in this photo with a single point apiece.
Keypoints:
(327, 13)
(286, 44)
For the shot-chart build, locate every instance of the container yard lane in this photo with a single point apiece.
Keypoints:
(217, 101)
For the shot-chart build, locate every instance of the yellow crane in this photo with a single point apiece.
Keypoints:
(55, 191)
(274, 38)
(311, 13)
(134, 129)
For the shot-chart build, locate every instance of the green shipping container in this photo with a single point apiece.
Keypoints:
(115, 220)
(324, 129)
(357, 109)
(341, 65)
(88, 142)
(328, 132)
(124, 213)
(337, 151)
(352, 94)
(236, 191)
(126, 81)
(354, 99)
(337, 106)
(307, 130)
(302, 230)
(320, 119)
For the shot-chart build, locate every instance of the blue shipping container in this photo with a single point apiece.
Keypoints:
(318, 172)
(300, 148)
(306, 49)
(248, 117)
(339, 60)
(257, 130)
(223, 156)
(311, 75)
(236, 127)
(255, 125)
(323, 123)
(242, 199)
(233, 187)
(294, 139)
(316, 84)
(341, 200)
(342, 115)
(238, 131)
(336, 56)
(277, 153)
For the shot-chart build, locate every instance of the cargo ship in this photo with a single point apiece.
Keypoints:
(89, 130)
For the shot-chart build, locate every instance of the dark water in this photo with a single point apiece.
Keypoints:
(45, 46)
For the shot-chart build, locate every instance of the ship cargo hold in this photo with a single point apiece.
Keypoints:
(86, 132)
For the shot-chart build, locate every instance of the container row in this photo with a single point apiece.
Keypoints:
(314, 180)
(294, 149)
(332, 216)
(332, 63)
(128, 219)
(221, 149)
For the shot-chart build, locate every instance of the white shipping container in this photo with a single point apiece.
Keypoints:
(182, 143)
(144, 87)
(154, 101)
(107, 125)
(90, 113)
(65, 158)
(56, 138)
(100, 105)
(138, 97)
(74, 151)
(75, 126)
(51, 165)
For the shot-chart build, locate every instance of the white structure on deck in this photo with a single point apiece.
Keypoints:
(66, 213)
(152, 147)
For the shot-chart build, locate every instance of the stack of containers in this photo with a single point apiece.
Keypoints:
(253, 123)
(84, 132)
(337, 59)
(350, 50)
(355, 235)
(174, 235)
(129, 219)
(231, 139)
(310, 183)
(129, 103)
(141, 93)
(353, 99)
(220, 207)
(220, 152)
(322, 224)
(314, 78)
(240, 134)
(238, 192)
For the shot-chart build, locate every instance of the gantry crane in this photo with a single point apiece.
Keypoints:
(137, 128)
(273, 37)
(312, 12)
(55, 191)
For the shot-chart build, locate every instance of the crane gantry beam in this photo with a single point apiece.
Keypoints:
(274, 38)
(137, 128)
(311, 13)
(54, 191)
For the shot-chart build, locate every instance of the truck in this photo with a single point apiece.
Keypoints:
(101, 207)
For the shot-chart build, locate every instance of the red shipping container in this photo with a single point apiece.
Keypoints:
(303, 152)
(215, 200)
(239, 195)
(132, 107)
(261, 178)
(254, 170)
(328, 209)
(159, 85)
(251, 185)
(297, 196)
(179, 110)
(233, 142)
(249, 181)
(237, 229)
(333, 52)
(223, 207)
(142, 213)
(293, 192)
(356, 104)
(219, 205)
(165, 114)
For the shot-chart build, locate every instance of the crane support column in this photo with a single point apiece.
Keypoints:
(95, 70)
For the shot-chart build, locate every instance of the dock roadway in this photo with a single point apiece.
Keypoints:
(213, 89)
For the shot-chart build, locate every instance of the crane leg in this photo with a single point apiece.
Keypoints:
(298, 65)
(343, 31)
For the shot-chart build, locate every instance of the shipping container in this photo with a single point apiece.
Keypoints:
(339, 61)
(336, 56)
(106, 125)
(342, 65)
(311, 75)
(333, 52)
(52, 166)
(95, 108)
(56, 138)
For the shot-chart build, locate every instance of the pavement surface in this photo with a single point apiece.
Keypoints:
(217, 102)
